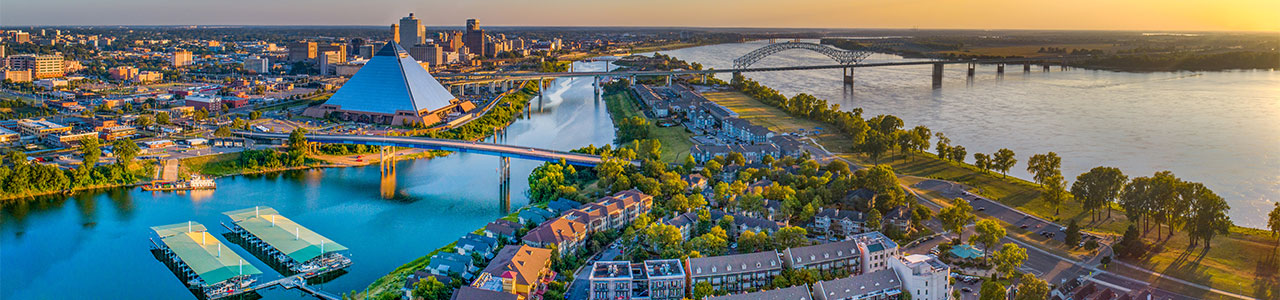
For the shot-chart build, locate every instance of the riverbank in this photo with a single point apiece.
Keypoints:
(1232, 263)
(139, 169)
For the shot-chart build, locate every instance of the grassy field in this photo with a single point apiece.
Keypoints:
(777, 120)
(212, 165)
(675, 139)
(1242, 262)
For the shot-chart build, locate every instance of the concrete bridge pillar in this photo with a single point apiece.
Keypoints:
(972, 69)
(937, 75)
(491, 83)
(1064, 64)
(596, 84)
(1046, 67)
(631, 81)
(387, 161)
(1000, 69)
(475, 88)
(462, 90)
(668, 79)
(847, 75)
(1026, 67)
(704, 78)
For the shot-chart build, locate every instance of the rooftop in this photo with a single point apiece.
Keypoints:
(737, 263)
(391, 81)
(663, 268)
(823, 252)
(299, 243)
(203, 253)
(611, 269)
(875, 283)
(799, 292)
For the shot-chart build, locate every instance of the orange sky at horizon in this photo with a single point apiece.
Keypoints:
(1143, 15)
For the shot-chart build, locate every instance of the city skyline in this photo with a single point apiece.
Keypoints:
(1232, 15)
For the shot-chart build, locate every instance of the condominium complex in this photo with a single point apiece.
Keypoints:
(519, 270)
(878, 285)
(735, 273)
(649, 280)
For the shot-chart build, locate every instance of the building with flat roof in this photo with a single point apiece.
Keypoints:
(472, 293)
(391, 88)
(878, 285)
(40, 128)
(735, 273)
(662, 279)
(181, 58)
(799, 292)
(199, 259)
(286, 242)
(924, 276)
(8, 137)
(876, 250)
(302, 51)
(41, 65)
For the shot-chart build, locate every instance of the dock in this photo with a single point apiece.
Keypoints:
(199, 260)
(280, 241)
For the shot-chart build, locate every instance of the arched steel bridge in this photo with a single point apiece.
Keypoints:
(844, 57)
(546, 155)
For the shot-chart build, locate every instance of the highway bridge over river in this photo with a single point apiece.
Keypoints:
(500, 150)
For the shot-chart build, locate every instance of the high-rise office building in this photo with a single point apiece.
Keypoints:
(21, 37)
(395, 33)
(429, 53)
(181, 58)
(257, 64)
(328, 61)
(340, 50)
(41, 66)
(454, 39)
(365, 51)
(302, 51)
(411, 32)
(475, 38)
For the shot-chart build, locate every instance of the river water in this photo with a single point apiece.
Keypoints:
(94, 245)
(1219, 128)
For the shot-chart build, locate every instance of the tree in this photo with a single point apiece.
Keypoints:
(877, 144)
(143, 121)
(839, 168)
(790, 237)
(1044, 166)
(200, 115)
(735, 158)
(1207, 216)
(430, 289)
(1130, 245)
(873, 219)
(702, 290)
(125, 150)
(162, 118)
(1099, 188)
(955, 217)
(1004, 160)
(750, 241)
(989, 232)
(991, 290)
(1009, 258)
(1072, 235)
(944, 146)
(223, 131)
(1054, 192)
(958, 153)
(982, 161)
(91, 150)
(298, 140)
(1273, 223)
(1032, 288)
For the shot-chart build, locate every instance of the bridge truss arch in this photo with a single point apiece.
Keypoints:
(841, 56)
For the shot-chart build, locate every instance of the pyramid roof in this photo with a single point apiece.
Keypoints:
(391, 81)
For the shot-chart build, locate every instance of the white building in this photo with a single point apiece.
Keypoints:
(924, 276)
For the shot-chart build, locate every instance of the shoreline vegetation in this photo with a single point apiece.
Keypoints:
(1103, 56)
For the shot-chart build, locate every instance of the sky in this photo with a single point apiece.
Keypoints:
(1151, 15)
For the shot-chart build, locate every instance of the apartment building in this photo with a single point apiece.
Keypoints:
(735, 273)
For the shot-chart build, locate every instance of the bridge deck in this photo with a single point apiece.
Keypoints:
(577, 159)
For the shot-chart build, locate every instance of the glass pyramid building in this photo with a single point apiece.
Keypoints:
(391, 89)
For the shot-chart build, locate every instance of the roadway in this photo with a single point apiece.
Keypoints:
(577, 159)
(537, 75)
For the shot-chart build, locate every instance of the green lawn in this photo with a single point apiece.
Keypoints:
(675, 139)
(777, 120)
(212, 165)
